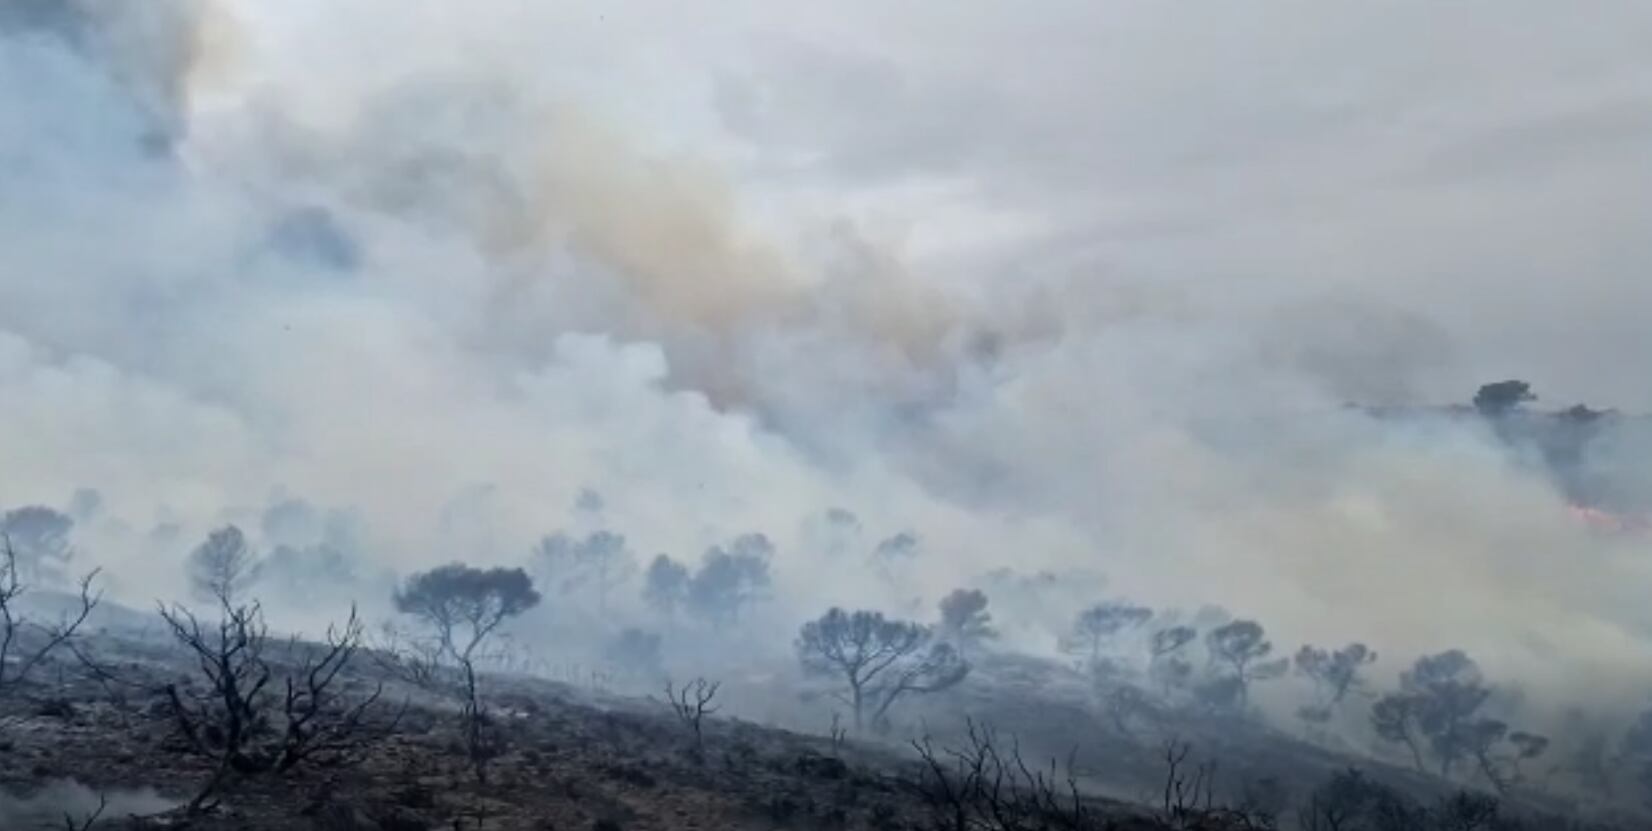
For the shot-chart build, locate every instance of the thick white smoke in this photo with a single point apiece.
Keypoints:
(448, 266)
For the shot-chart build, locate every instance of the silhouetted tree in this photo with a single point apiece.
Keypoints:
(1635, 750)
(879, 660)
(1580, 414)
(1527, 746)
(307, 570)
(39, 538)
(300, 524)
(1500, 397)
(898, 548)
(596, 565)
(1465, 811)
(665, 586)
(965, 620)
(1397, 718)
(1449, 691)
(1166, 665)
(1500, 767)
(729, 579)
(85, 504)
(589, 501)
(1100, 623)
(1124, 703)
(1452, 691)
(1171, 639)
(463, 605)
(1637, 740)
(223, 567)
(636, 650)
(1479, 738)
(837, 533)
(1242, 645)
(1334, 673)
(1351, 802)
(1221, 693)
(691, 704)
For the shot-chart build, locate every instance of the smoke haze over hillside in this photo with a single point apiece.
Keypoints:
(1056, 287)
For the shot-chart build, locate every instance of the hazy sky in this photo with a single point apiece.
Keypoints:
(1052, 285)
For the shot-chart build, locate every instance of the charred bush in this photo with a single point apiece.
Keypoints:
(249, 726)
(978, 786)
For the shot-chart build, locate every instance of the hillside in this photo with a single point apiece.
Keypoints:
(580, 758)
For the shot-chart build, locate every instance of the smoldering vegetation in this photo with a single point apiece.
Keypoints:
(419, 418)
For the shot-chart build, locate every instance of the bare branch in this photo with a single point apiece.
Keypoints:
(70, 824)
(232, 722)
(691, 704)
(16, 629)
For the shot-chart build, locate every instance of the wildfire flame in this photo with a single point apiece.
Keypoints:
(1609, 522)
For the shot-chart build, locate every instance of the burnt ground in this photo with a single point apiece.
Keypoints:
(577, 758)
(573, 760)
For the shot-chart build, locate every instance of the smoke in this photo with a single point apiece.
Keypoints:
(442, 272)
(47, 806)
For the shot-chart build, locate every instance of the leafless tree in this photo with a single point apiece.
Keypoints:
(221, 722)
(24, 643)
(319, 721)
(691, 704)
(235, 719)
(484, 740)
(419, 662)
(71, 824)
(1186, 801)
(978, 787)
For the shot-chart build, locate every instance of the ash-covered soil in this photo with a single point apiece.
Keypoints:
(573, 759)
(94, 731)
